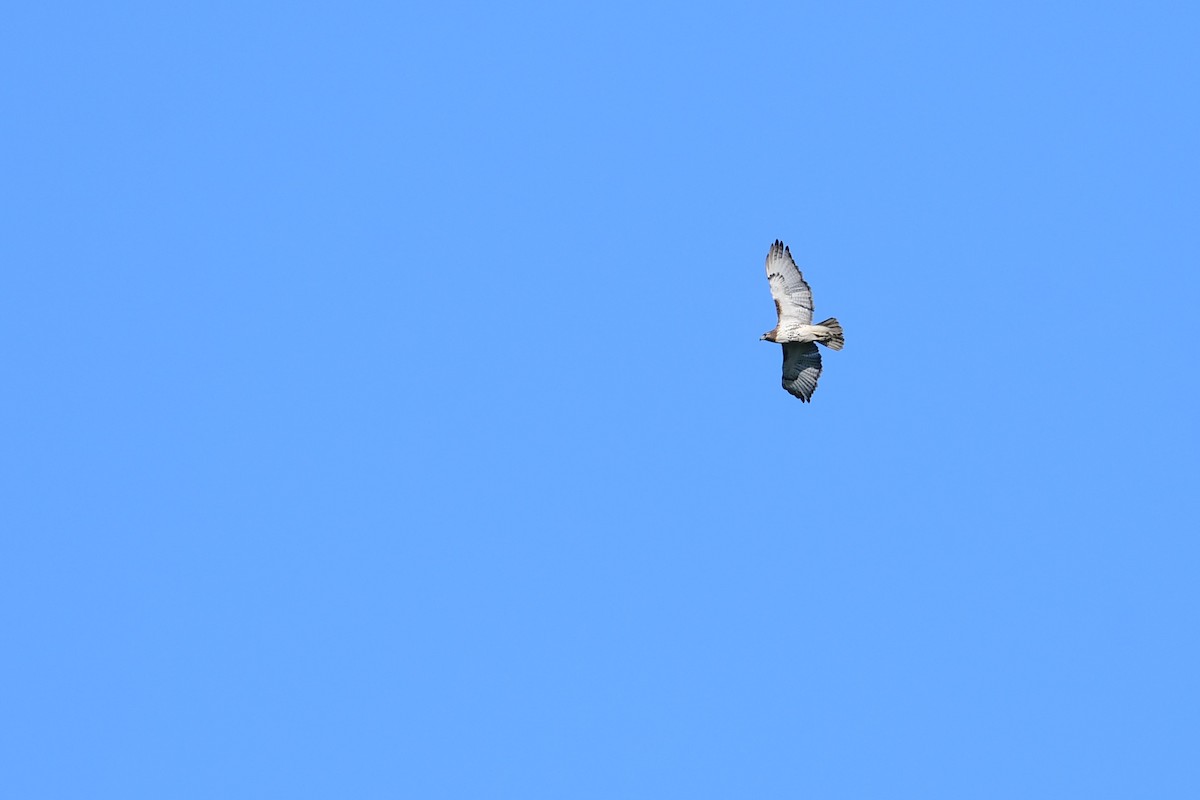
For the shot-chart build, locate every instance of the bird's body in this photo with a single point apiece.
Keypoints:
(799, 333)
(795, 329)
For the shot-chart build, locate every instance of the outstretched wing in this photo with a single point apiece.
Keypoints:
(801, 368)
(793, 298)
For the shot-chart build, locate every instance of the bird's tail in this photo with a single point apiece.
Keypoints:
(835, 340)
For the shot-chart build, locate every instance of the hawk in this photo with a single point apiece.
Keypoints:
(795, 331)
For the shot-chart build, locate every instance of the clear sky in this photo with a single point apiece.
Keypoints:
(385, 414)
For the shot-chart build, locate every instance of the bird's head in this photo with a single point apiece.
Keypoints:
(769, 336)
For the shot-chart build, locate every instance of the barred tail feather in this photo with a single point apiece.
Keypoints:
(835, 339)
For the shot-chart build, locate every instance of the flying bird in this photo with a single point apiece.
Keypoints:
(794, 330)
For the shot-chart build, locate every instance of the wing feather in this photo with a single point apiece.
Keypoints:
(801, 368)
(793, 298)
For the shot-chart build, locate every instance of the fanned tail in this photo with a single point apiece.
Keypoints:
(834, 339)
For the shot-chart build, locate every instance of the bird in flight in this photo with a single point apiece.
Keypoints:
(794, 330)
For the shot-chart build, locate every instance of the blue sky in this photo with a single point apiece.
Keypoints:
(385, 414)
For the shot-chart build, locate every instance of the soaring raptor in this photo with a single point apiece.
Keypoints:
(795, 331)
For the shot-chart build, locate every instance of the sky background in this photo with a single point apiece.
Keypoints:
(384, 414)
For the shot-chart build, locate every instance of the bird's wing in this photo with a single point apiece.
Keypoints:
(801, 368)
(793, 298)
